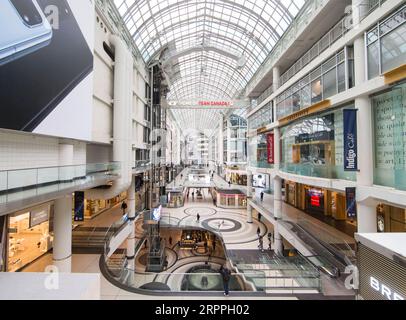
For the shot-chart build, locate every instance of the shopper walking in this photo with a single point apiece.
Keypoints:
(198, 218)
(258, 231)
(226, 275)
(262, 196)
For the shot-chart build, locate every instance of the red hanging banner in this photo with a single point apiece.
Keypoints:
(271, 148)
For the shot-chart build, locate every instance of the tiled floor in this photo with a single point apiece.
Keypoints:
(231, 224)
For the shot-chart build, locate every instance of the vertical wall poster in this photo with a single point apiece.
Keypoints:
(271, 148)
(350, 140)
(79, 206)
(351, 203)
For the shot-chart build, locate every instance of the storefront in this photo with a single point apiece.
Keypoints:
(176, 197)
(313, 146)
(381, 262)
(261, 181)
(30, 235)
(236, 176)
(227, 199)
(261, 151)
(95, 207)
(391, 219)
(325, 205)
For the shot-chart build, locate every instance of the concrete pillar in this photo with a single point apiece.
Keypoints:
(62, 245)
(359, 12)
(277, 198)
(131, 237)
(220, 141)
(367, 218)
(278, 241)
(365, 176)
(249, 184)
(276, 78)
(360, 70)
(249, 214)
(66, 172)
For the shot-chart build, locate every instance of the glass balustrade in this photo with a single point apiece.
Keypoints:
(20, 184)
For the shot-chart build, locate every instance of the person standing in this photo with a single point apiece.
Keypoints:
(229, 184)
(198, 218)
(262, 196)
(124, 207)
(259, 231)
(261, 244)
(226, 275)
(193, 196)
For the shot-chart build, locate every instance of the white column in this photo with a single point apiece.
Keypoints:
(365, 176)
(220, 143)
(249, 184)
(278, 241)
(277, 182)
(359, 60)
(62, 245)
(249, 214)
(359, 11)
(131, 237)
(367, 218)
(277, 198)
(66, 171)
(276, 78)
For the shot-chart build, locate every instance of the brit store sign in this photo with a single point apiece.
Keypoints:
(350, 140)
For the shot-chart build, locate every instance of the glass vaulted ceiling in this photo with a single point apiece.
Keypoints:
(210, 48)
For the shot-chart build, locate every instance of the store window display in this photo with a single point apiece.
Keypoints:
(313, 146)
(28, 237)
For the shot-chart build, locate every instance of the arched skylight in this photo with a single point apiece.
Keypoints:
(224, 42)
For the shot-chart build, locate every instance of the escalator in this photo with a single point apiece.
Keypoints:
(325, 257)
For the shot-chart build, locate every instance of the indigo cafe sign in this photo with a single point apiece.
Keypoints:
(350, 140)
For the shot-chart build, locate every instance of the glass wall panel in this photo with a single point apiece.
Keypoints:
(390, 137)
(330, 83)
(394, 49)
(313, 146)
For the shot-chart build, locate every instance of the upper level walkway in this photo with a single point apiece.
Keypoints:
(27, 187)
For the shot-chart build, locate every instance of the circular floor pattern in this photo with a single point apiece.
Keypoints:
(222, 224)
(202, 211)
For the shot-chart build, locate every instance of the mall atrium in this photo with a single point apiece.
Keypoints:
(203, 149)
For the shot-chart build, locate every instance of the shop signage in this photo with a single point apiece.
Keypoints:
(216, 103)
(79, 206)
(350, 140)
(384, 290)
(351, 203)
(315, 136)
(271, 147)
(38, 216)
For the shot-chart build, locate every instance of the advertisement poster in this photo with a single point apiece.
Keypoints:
(271, 148)
(46, 66)
(350, 140)
(351, 203)
(79, 206)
